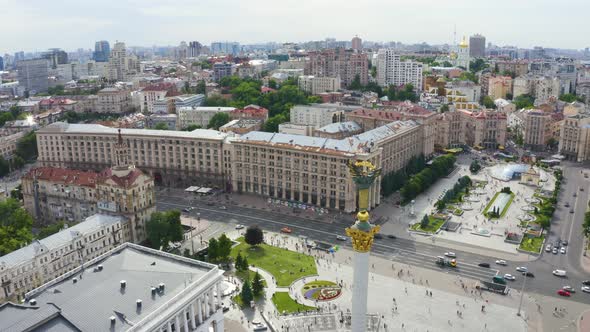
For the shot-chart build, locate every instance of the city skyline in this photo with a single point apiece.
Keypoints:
(146, 23)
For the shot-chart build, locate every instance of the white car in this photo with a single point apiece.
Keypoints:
(559, 273)
(563, 251)
(341, 237)
(521, 269)
(450, 254)
(501, 262)
(569, 289)
(222, 208)
(509, 277)
(548, 248)
(239, 226)
(586, 289)
(555, 251)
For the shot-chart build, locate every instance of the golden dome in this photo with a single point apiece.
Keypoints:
(463, 43)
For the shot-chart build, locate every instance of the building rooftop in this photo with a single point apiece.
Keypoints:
(57, 240)
(87, 303)
(251, 110)
(90, 129)
(340, 127)
(207, 109)
(241, 123)
(63, 175)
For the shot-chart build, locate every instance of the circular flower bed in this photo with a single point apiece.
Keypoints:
(321, 290)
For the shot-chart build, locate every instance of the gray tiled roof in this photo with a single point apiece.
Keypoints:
(96, 296)
(90, 129)
(340, 127)
(59, 239)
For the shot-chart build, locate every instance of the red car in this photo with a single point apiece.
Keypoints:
(286, 230)
(563, 292)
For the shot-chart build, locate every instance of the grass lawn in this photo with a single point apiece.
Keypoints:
(432, 227)
(504, 210)
(532, 244)
(285, 265)
(285, 304)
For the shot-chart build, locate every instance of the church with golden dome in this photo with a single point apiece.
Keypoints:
(460, 56)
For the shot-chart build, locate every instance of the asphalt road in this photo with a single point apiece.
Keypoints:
(415, 253)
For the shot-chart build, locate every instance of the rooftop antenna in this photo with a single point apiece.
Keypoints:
(454, 34)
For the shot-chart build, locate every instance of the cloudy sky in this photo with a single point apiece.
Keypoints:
(35, 25)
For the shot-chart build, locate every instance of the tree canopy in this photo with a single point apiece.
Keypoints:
(15, 226)
(441, 166)
(524, 101)
(50, 229)
(218, 120)
(163, 228)
(26, 147)
(488, 102)
(161, 126)
(254, 235)
(569, 98)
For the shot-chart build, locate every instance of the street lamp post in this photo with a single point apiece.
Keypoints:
(523, 284)
(192, 240)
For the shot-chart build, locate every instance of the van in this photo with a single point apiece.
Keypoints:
(499, 280)
(559, 273)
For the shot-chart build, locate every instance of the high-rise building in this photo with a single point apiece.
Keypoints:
(477, 46)
(194, 49)
(228, 48)
(357, 43)
(346, 64)
(181, 52)
(32, 75)
(117, 62)
(102, 50)
(1, 63)
(55, 56)
(221, 70)
(392, 71)
(18, 56)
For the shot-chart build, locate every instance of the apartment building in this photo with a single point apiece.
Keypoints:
(222, 69)
(199, 116)
(342, 63)
(43, 260)
(516, 67)
(485, 128)
(8, 144)
(392, 71)
(574, 137)
(54, 194)
(172, 158)
(152, 93)
(316, 85)
(254, 112)
(33, 75)
(496, 86)
(113, 100)
(310, 170)
(241, 126)
(536, 129)
(542, 88)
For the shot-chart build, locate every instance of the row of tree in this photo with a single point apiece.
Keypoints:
(441, 166)
(460, 187)
(393, 181)
(163, 228)
(15, 226)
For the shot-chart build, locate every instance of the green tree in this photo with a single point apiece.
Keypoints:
(468, 76)
(356, 83)
(213, 250)
(477, 65)
(488, 102)
(254, 235)
(26, 147)
(218, 120)
(568, 97)
(163, 228)
(444, 108)
(373, 72)
(161, 126)
(272, 124)
(225, 245)
(15, 226)
(246, 93)
(552, 143)
(272, 84)
(246, 293)
(257, 285)
(5, 116)
(201, 87)
(216, 100)
(245, 264)
(17, 193)
(191, 127)
(239, 262)
(50, 230)
(446, 64)
(186, 88)
(524, 101)
(15, 111)
(424, 222)
(586, 225)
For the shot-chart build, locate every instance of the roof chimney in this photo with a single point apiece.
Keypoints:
(33, 302)
(100, 267)
(153, 291)
(123, 284)
(113, 320)
(138, 302)
(75, 280)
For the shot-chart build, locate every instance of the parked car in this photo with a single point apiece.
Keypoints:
(569, 289)
(450, 254)
(286, 230)
(555, 251)
(528, 274)
(341, 237)
(501, 262)
(521, 269)
(186, 210)
(239, 226)
(564, 243)
(586, 282)
(563, 251)
(222, 207)
(391, 236)
(548, 248)
(484, 265)
(571, 210)
(564, 293)
(509, 277)
(260, 327)
(559, 273)
(586, 289)
(567, 204)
